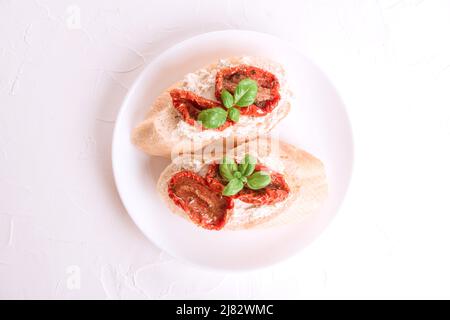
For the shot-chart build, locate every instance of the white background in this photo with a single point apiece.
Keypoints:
(65, 69)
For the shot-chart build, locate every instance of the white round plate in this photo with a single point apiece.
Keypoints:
(317, 124)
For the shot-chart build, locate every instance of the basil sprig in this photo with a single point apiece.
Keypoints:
(243, 174)
(244, 95)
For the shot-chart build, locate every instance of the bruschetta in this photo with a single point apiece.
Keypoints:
(259, 183)
(235, 97)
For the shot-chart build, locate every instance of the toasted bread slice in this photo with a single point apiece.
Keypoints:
(164, 133)
(304, 174)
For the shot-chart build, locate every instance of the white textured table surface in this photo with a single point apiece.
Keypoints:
(65, 68)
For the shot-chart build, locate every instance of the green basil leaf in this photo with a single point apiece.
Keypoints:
(233, 114)
(227, 168)
(227, 99)
(212, 118)
(233, 187)
(258, 180)
(245, 93)
(247, 166)
(237, 175)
